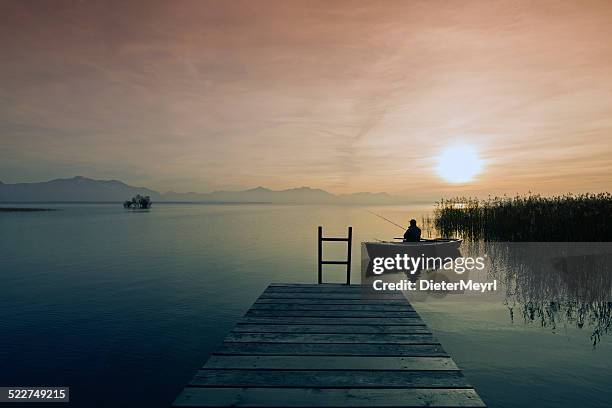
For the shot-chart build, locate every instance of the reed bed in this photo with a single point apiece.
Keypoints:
(530, 218)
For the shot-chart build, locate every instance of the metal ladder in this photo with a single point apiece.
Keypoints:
(349, 241)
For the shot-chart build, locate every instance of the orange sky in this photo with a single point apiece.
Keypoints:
(345, 96)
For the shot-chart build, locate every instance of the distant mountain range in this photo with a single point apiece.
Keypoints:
(83, 189)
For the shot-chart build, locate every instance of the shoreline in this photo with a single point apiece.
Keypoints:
(25, 209)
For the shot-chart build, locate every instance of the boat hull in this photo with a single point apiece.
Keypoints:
(437, 247)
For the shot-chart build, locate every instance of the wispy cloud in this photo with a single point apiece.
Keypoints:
(347, 96)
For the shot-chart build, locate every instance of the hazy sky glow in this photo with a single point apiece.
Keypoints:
(345, 96)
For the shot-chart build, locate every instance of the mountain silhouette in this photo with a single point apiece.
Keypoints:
(83, 189)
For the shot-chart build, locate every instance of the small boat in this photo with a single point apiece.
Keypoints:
(428, 247)
(441, 247)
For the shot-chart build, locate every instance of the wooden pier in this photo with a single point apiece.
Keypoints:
(327, 345)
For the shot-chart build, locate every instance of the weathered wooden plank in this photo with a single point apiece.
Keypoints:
(329, 314)
(325, 301)
(329, 379)
(319, 295)
(381, 308)
(362, 321)
(311, 285)
(323, 289)
(377, 338)
(328, 328)
(329, 346)
(323, 349)
(330, 363)
(327, 398)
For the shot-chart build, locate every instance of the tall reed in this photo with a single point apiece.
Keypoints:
(530, 218)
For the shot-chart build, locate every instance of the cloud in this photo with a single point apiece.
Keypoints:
(347, 96)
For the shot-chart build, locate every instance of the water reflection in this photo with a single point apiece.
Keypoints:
(549, 284)
(554, 284)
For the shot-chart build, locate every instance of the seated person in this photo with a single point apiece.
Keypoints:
(413, 233)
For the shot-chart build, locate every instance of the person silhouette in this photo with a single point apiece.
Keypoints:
(413, 233)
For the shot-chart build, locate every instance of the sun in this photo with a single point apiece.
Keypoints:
(459, 163)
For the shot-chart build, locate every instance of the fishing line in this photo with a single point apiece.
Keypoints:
(386, 219)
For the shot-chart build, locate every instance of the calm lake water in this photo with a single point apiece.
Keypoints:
(124, 307)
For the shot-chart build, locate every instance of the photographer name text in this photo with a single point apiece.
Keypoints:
(430, 285)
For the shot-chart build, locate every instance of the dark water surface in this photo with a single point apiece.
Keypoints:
(124, 307)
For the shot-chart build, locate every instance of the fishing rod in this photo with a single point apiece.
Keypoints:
(386, 219)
